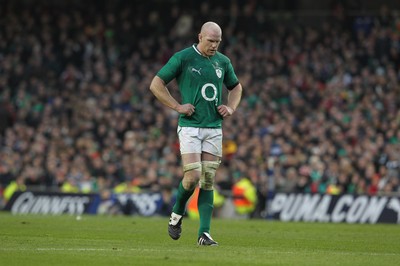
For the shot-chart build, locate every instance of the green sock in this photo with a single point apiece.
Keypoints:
(205, 205)
(181, 199)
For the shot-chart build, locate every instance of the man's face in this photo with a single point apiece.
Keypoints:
(209, 42)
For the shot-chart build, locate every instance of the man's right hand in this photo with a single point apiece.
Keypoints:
(186, 109)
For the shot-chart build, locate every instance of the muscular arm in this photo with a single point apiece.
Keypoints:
(234, 97)
(160, 91)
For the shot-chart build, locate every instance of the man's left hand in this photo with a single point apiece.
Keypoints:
(225, 110)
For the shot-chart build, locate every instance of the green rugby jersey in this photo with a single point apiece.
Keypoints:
(200, 81)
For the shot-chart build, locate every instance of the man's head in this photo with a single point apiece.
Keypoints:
(209, 38)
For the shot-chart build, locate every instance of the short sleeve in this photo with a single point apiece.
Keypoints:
(230, 79)
(170, 70)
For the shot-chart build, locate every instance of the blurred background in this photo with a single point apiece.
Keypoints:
(320, 111)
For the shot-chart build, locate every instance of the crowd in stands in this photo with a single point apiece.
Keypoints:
(320, 111)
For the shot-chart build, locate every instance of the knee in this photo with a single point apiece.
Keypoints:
(208, 175)
(191, 175)
(190, 180)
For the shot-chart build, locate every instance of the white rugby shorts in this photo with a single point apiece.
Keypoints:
(198, 140)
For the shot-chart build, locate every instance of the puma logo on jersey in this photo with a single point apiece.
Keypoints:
(197, 71)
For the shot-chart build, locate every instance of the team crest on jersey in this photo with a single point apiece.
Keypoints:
(218, 71)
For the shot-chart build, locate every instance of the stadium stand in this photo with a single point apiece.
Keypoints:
(320, 112)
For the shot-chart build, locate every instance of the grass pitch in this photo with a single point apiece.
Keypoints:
(99, 240)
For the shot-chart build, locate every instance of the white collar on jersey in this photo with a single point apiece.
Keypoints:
(195, 48)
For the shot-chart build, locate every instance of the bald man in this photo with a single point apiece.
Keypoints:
(201, 73)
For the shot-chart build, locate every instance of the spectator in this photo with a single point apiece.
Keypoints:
(322, 101)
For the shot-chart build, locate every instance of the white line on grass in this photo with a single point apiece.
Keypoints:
(173, 250)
